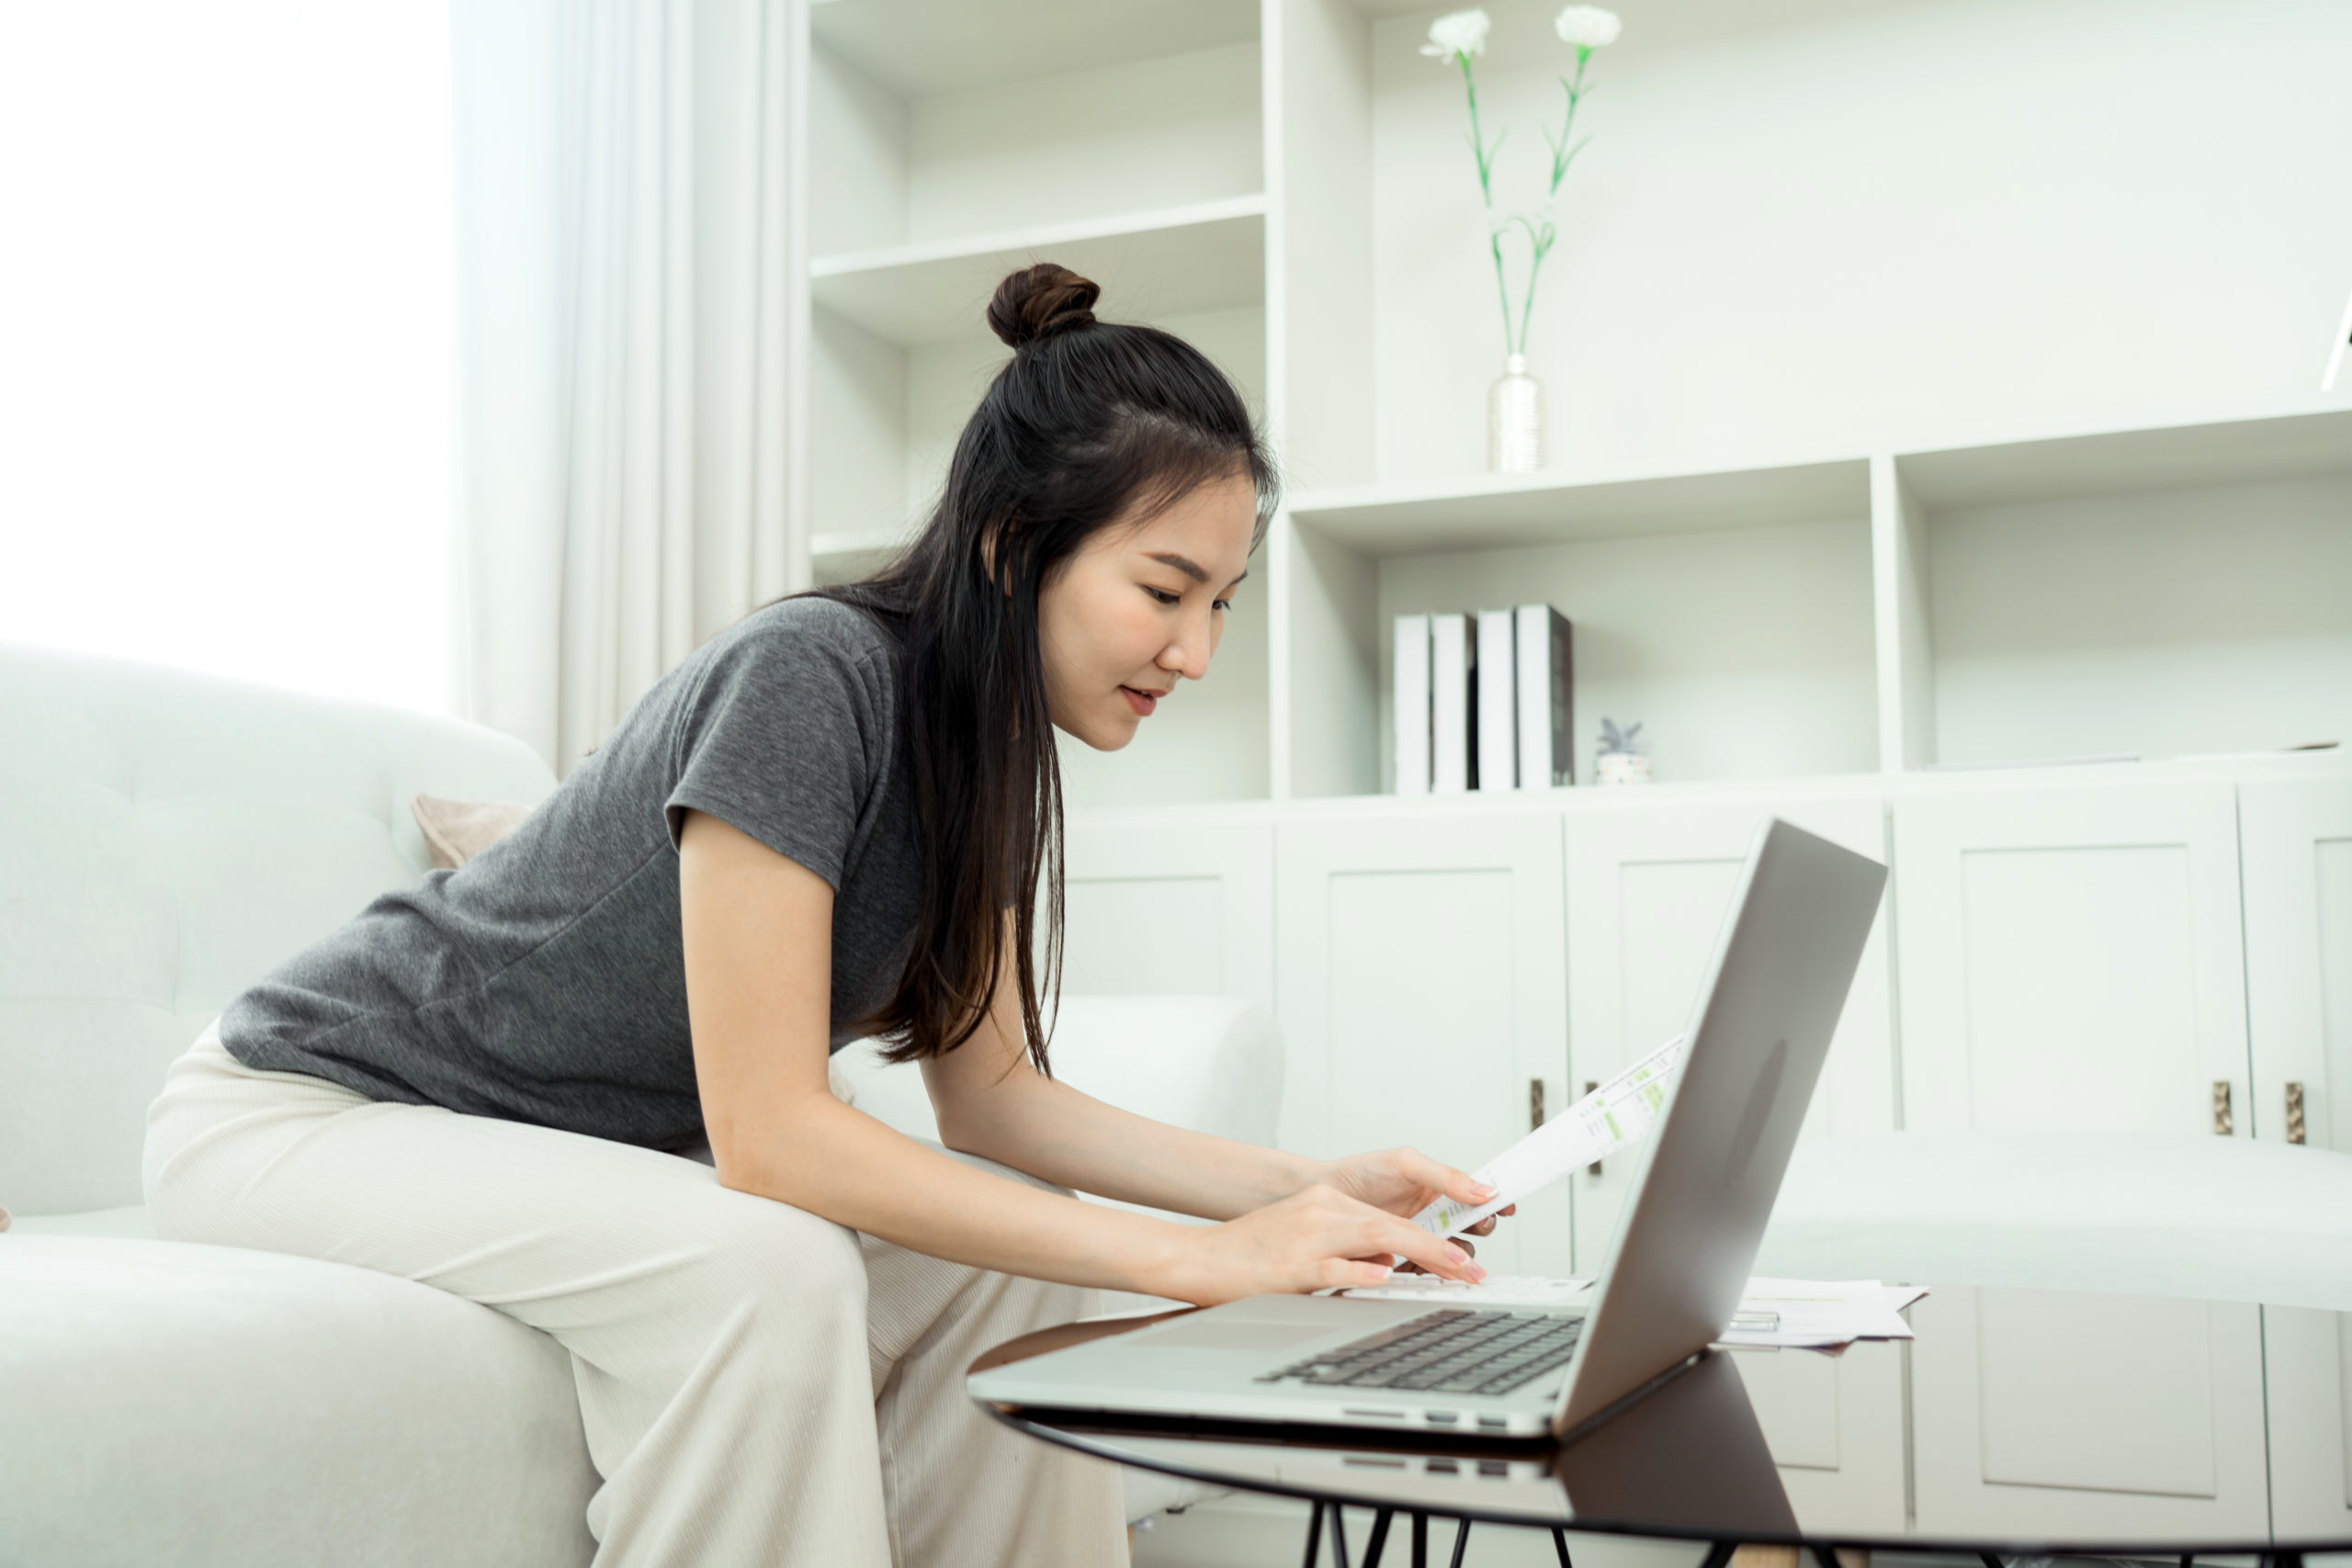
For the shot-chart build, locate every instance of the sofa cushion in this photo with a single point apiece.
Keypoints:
(171, 1403)
(166, 837)
(2148, 1213)
(1206, 1063)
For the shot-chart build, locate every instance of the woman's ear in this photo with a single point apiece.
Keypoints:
(988, 537)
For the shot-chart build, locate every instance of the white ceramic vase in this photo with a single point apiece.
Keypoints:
(1515, 420)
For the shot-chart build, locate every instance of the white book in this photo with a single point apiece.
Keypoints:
(1412, 702)
(1546, 708)
(1497, 720)
(1453, 652)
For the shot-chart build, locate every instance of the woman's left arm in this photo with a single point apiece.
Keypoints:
(991, 1102)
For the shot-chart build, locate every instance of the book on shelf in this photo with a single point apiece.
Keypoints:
(1496, 687)
(1453, 704)
(1413, 700)
(1545, 670)
(1483, 701)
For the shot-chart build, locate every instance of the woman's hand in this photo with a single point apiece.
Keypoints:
(1313, 1240)
(1406, 1181)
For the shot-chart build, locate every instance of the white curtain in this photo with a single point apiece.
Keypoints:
(628, 271)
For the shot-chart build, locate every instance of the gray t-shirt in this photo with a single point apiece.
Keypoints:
(545, 980)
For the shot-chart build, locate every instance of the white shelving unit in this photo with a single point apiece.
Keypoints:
(2164, 588)
(1803, 628)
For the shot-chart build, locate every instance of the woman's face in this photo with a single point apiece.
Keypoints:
(1137, 607)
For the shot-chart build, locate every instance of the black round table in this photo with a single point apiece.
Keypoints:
(1688, 1461)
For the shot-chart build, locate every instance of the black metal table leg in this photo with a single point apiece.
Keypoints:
(1421, 1541)
(1339, 1537)
(1560, 1545)
(1990, 1560)
(1719, 1555)
(1372, 1548)
(1314, 1534)
(1460, 1541)
(1825, 1557)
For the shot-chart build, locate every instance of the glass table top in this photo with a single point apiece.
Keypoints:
(2084, 1385)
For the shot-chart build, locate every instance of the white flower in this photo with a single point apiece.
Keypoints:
(1458, 34)
(1587, 26)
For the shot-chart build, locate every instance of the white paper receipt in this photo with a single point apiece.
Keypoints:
(1619, 1112)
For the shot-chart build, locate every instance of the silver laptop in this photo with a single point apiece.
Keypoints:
(1684, 1245)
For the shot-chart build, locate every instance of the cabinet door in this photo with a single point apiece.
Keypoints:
(2297, 841)
(2070, 958)
(1171, 902)
(2047, 1411)
(1422, 988)
(1835, 1427)
(1649, 889)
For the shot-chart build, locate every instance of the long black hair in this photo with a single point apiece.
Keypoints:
(1091, 421)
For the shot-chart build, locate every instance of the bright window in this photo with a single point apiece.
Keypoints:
(225, 339)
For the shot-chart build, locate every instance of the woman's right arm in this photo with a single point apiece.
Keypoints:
(758, 930)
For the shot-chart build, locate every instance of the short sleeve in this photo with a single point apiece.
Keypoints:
(783, 738)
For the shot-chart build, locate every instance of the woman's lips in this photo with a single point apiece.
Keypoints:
(1142, 701)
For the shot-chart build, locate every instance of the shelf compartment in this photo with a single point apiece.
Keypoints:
(1731, 613)
(2156, 622)
(1210, 256)
(932, 47)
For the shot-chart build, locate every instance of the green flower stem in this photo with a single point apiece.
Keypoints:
(1540, 241)
(1486, 192)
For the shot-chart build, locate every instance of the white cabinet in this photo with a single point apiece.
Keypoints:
(1423, 989)
(2070, 957)
(1835, 1428)
(1175, 900)
(2037, 1411)
(2296, 839)
(1649, 887)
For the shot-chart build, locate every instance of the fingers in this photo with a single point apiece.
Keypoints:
(1458, 1185)
(1444, 1259)
(1342, 1272)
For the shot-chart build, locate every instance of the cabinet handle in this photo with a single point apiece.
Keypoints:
(1534, 1103)
(2294, 1113)
(2222, 1124)
(1590, 1085)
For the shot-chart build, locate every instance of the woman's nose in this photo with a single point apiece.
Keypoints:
(1189, 655)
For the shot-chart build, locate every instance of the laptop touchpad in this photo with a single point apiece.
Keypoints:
(1214, 1333)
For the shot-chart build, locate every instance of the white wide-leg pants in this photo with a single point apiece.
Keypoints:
(759, 1387)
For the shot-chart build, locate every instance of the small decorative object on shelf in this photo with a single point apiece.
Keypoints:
(1515, 402)
(1622, 758)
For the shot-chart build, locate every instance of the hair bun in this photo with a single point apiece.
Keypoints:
(1040, 301)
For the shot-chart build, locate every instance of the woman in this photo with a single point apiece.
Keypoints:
(828, 823)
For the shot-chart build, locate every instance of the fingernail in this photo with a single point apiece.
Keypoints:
(1455, 1255)
(1482, 1191)
(1476, 1272)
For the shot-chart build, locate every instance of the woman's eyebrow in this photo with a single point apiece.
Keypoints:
(1184, 565)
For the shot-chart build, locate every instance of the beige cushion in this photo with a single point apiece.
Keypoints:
(457, 830)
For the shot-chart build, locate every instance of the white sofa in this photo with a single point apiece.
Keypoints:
(164, 839)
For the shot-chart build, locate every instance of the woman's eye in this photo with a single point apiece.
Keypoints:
(1162, 596)
(1224, 604)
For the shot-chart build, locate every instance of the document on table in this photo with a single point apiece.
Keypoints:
(1619, 1112)
(1816, 1314)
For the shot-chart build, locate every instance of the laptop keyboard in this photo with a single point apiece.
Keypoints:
(1453, 1351)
